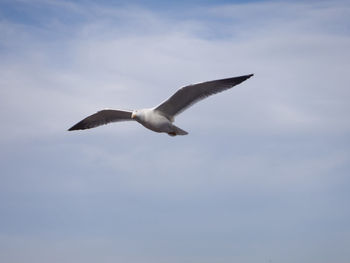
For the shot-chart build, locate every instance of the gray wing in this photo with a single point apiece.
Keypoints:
(188, 95)
(102, 117)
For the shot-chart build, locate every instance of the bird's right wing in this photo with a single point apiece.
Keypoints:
(187, 96)
(102, 117)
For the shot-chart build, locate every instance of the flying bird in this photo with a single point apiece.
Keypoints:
(161, 117)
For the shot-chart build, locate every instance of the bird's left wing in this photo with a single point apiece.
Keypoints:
(102, 117)
(187, 96)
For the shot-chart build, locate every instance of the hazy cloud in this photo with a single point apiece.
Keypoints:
(262, 176)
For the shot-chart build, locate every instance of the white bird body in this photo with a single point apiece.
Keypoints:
(152, 120)
(155, 121)
(161, 118)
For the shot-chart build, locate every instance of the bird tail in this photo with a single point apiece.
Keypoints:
(177, 131)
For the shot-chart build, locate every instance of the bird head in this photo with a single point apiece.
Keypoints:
(134, 114)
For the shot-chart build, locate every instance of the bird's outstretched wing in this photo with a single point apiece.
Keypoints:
(102, 117)
(188, 95)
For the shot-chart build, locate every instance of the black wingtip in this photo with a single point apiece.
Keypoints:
(78, 126)
(240, 79)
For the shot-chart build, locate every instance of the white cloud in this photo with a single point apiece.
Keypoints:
(107, 61)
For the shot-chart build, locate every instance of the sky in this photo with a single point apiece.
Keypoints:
(263, 175)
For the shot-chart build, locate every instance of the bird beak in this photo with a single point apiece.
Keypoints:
(132, 115)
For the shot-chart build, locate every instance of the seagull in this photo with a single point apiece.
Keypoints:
(160, 118)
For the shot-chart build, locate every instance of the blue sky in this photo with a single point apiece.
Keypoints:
(263, 175)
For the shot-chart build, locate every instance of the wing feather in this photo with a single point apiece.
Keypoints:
(102, 117)
(189, 95)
